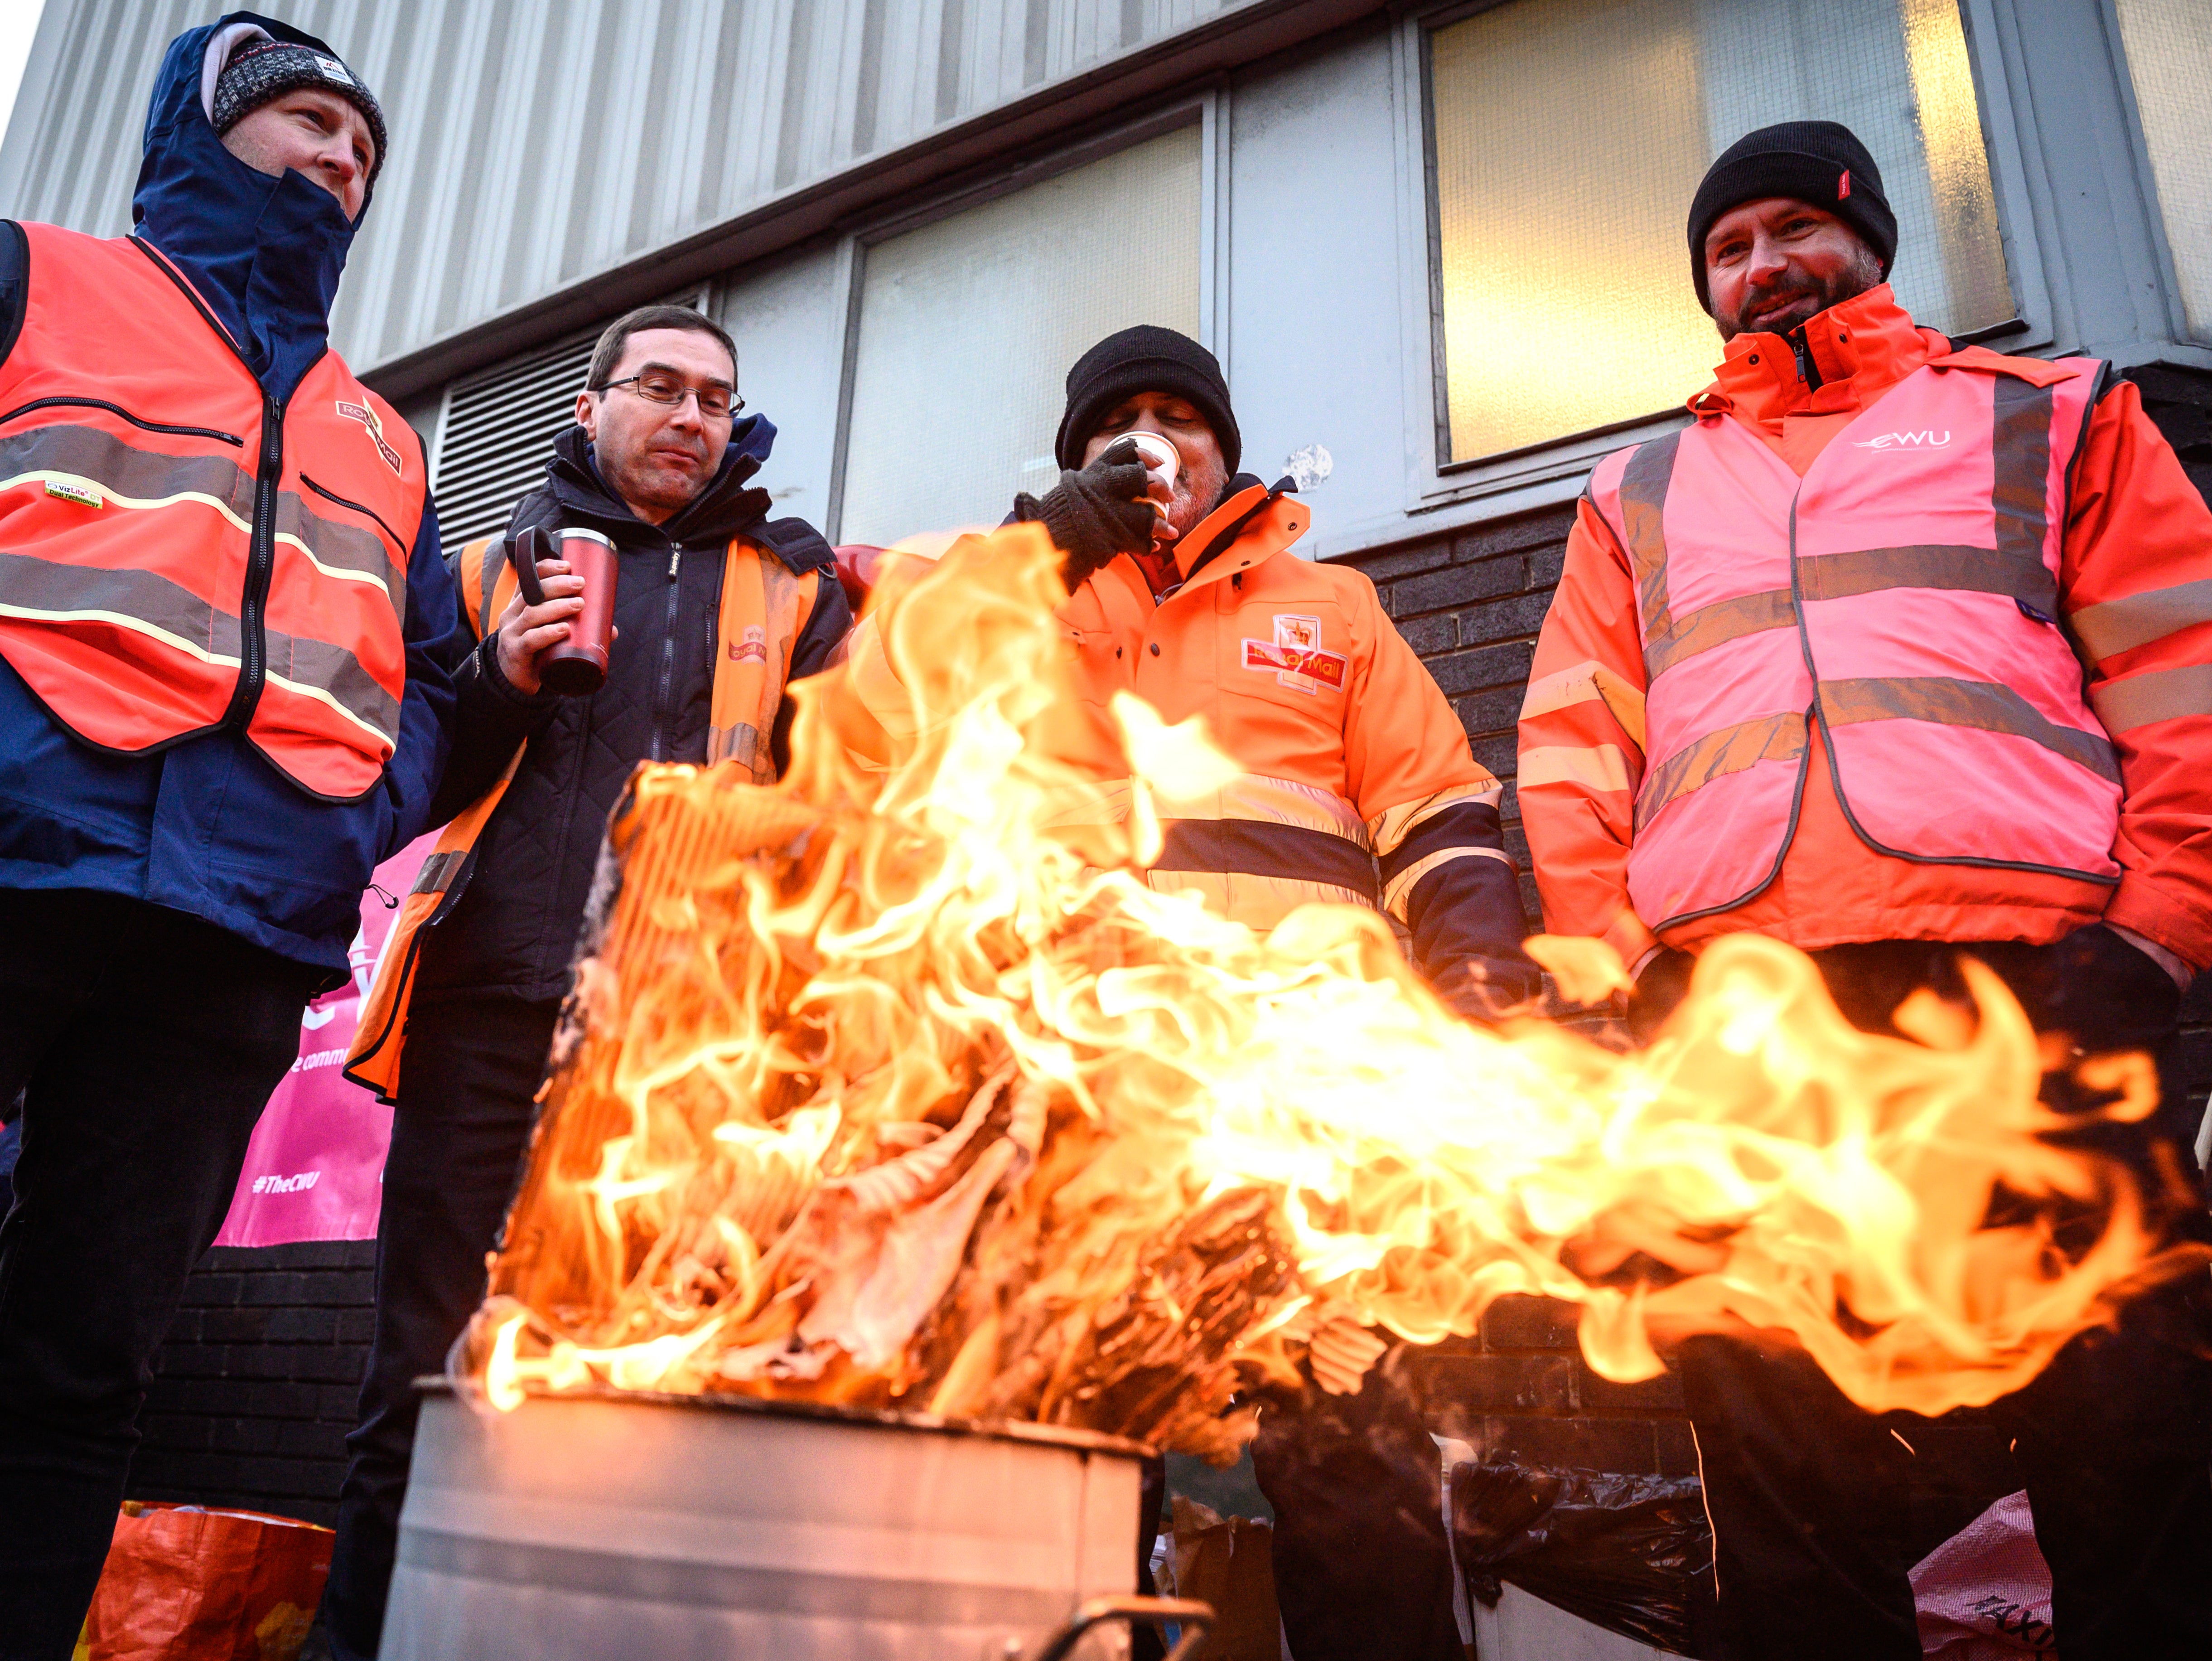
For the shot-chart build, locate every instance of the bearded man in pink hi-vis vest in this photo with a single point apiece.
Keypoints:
(1902, 650)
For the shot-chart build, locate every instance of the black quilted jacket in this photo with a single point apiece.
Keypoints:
(513, 930)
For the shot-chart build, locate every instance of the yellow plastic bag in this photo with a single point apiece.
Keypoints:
(186, 1584)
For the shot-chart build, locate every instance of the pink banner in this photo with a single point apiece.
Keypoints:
(314, 1169)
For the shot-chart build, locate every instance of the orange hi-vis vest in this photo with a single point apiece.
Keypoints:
(765, 608)
(179, 553)
(1903, 595)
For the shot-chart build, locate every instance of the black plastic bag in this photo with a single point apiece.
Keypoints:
(1633, 1554)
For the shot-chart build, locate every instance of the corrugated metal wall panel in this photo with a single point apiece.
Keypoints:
(537, 142)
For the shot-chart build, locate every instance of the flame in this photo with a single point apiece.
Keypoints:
(896, 1083)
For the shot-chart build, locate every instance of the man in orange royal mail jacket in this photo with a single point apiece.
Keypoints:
(1897, 651)
(1357, 787)
(1358, 784)
(227, 651)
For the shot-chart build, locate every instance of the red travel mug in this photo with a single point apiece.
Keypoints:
(577, 668)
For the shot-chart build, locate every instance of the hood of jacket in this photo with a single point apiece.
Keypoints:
(266, 254)
(729, 505)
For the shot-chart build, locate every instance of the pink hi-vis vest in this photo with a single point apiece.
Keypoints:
(1904, 594)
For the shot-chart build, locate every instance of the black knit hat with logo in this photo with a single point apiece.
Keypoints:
(1146, 359)
(1821, 163)
(264, 69)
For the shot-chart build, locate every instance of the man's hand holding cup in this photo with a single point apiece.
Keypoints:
(527, 632)
(1094, 514)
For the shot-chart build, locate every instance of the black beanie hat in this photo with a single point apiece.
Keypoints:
(1145, 359)
(1821, 163)
(265, 69)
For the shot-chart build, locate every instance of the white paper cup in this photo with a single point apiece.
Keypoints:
(1163, 466)
(1161, 458)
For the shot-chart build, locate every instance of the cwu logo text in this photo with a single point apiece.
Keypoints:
(1927, 439)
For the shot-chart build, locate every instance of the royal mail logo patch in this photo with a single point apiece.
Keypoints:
(752, 647)
(368, 418)
(1295, 656)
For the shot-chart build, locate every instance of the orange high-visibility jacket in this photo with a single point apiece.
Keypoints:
(1358, 782)
(1816, 665)
(765, 608)
(177, 553)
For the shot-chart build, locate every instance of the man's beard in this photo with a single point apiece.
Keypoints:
(1196, 494)
(1852, 281)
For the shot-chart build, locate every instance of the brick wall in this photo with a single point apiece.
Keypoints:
(255, 1388)
(253, 1392)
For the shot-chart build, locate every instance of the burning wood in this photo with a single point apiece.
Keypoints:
(886, 1085)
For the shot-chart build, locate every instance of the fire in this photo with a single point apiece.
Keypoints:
(895, 1084)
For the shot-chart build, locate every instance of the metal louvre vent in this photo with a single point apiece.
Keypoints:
(496, 434)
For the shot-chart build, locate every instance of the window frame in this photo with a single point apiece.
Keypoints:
(1205, 108)
(2175, 304)
(1551, 471)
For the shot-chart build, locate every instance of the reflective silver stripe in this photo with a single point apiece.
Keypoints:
(1588, 682)
(1390, 827)
(338, 548)
(128, 478)
(1264, 800)
(1593, 766)
(1716, 625)
(488, 566)
(311, 667)
(2012, 572)
(2160, 694)
(120, 469)
(742, 743)
(1731, 750)
(1983, 705)
(1643, 484)
(41, 590)
(2114, 626)
(2020, 473)
(438, 871)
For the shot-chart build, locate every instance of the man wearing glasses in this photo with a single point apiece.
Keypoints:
(717, 609)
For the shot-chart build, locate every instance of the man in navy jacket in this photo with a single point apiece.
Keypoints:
(167, 908)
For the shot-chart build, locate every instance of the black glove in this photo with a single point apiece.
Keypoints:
(1093, 515)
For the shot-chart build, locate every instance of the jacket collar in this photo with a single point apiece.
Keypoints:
(728, 507)
(1859, 349)
(1254, 522)
(265, 254)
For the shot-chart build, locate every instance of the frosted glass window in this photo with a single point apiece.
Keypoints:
(2169, 46)
(1564, 176)
(970, 324)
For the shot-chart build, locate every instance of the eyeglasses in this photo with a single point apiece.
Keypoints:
(715, 403)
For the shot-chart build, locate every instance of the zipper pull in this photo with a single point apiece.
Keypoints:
(675, 559)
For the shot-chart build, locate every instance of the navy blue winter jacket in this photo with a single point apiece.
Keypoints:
(208, 827)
